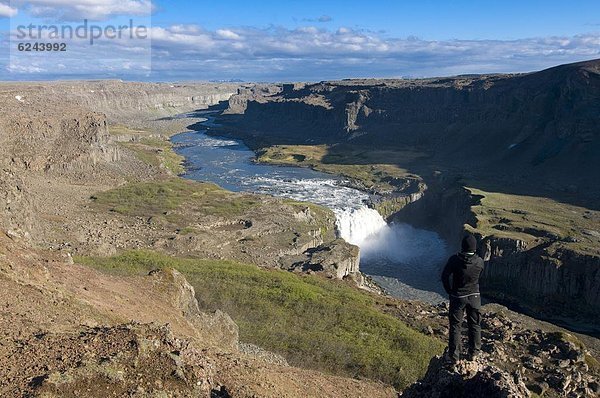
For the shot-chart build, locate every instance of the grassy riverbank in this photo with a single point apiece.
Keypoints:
(158, 198)
(373, 168)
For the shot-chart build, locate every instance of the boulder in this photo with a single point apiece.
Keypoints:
(467, 379)
(337, 259)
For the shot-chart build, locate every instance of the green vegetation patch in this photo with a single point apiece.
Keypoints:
(528, 218)
(314, 322)
(171, 160)
(157, 152)
(158, 198)
(374, 168)
(119, 129)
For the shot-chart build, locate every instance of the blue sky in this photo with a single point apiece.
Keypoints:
(427, 19)
(306, 40)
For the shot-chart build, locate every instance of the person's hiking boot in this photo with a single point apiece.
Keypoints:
(473, 356)
(449, 362)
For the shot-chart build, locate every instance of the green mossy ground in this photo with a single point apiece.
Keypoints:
(157, 152)
(374, 168)
(158, 198)
(312, 321)
(178, 202)
(528, 218)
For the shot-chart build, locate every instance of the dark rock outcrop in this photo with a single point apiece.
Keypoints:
(466, 380)
(539, 277)
(445, 207)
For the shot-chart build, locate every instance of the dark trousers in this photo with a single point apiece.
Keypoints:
(458, 305)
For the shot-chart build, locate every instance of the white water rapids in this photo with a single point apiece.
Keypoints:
(402, 259)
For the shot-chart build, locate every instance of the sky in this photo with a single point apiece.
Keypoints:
(293, 40)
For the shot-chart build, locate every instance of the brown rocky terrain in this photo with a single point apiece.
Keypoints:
(518, 352)
(76, 323)
(56, 160)
(512, 158)
(68, 331)
(65, 330)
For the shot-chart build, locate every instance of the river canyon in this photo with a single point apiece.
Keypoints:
(199, 198)
(404, 260)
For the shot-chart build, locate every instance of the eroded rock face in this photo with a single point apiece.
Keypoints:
(218, 324)
(121, 101)
(14, 205)
(337, 259)
(467, 380)
(238, 103)
(45, 144)
(69, 145)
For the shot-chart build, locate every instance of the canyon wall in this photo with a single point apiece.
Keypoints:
(68, 145)
(128, 103)
(70, 140)
(60, 130)
(526, 131)
(551, 281)
(122, 101)
(445, 207)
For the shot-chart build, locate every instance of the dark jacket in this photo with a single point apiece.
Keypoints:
(465, 270)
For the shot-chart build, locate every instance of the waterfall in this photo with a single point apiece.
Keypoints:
(356, 225)
(396, 243)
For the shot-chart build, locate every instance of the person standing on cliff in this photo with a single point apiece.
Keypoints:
(461, 281)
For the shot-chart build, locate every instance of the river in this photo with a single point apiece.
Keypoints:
(404, 260)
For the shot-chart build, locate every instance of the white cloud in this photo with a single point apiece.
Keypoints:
(313, 42)
(311, 53)
(228, 34)
(191, 29)
(72, 10)
(7, 11)
(25, 69)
